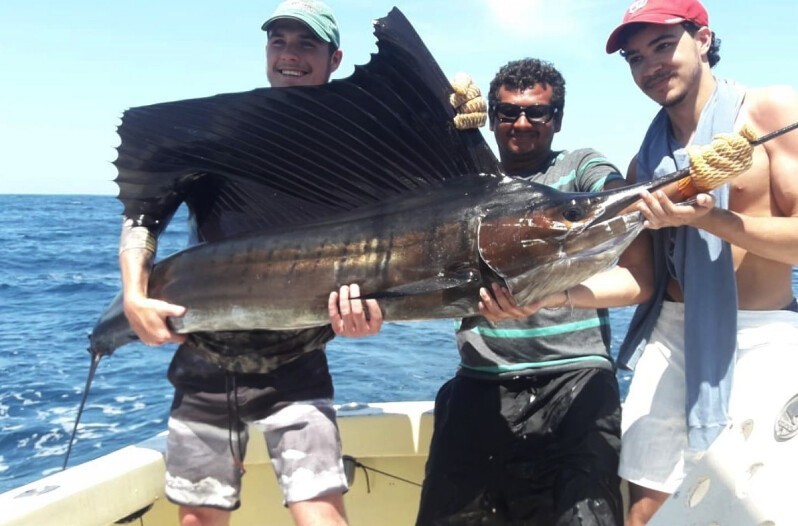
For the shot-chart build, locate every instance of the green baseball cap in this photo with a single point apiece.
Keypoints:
(316, 15)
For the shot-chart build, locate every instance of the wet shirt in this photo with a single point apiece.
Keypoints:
(552, 339)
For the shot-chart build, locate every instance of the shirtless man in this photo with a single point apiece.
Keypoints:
(694, 365)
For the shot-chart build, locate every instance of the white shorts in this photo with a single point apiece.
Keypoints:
(654, 451)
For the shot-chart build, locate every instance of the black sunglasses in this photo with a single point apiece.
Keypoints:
(540, 113)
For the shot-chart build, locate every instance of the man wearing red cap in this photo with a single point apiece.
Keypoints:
(699, 361)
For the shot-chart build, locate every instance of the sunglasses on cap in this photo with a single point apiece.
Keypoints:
(540, 113)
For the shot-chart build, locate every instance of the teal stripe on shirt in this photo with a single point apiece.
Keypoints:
(538, 332)
(596, 160)
(572, 175)
(598, 186)
(564, 181)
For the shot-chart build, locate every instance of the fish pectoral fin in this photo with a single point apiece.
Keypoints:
(437, 283)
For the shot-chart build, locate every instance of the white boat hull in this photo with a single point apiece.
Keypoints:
(745, 479)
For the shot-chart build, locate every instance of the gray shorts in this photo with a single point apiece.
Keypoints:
(301, 437)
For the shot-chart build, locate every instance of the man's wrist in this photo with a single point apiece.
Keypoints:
(135, 237)
(566, 301)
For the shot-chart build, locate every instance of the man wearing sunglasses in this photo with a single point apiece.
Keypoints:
(528, 431)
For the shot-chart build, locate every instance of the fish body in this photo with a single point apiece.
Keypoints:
(423, 257)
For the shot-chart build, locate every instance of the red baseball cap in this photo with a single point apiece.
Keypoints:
(666, 12)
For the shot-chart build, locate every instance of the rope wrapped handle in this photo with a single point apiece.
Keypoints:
(714, 164)
(727, 156)
(468, 101)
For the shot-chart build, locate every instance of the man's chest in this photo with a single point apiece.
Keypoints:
(750, 193)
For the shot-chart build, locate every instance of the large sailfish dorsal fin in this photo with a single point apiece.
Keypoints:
(286, 156)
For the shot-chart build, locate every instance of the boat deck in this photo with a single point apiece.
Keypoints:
(390, 441)
(745, 479)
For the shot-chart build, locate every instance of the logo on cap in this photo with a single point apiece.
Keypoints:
(637, 5)
(314, 14)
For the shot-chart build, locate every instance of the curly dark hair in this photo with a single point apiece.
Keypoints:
(713, 55)
(523, 74)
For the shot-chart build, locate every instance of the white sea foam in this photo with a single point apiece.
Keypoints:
(122, 399)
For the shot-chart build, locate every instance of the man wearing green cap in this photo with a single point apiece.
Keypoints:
(291, 403)
(283, 388)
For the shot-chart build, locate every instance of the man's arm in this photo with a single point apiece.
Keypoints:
(147, 316)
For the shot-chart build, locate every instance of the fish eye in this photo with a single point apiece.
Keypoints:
(573, 213)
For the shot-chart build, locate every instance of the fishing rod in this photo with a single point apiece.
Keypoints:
(711, 165)
(95, 360)
(774, 134)
(727, 156)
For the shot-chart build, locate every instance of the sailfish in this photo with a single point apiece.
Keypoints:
(362, 180)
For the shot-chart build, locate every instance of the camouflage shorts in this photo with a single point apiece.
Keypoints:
(303, 443)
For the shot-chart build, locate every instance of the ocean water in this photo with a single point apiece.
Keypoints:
(58, 271)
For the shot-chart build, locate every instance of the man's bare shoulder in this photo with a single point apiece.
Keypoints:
(768, 108)
(771, 96)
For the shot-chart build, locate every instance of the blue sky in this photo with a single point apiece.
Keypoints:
(70, 69)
